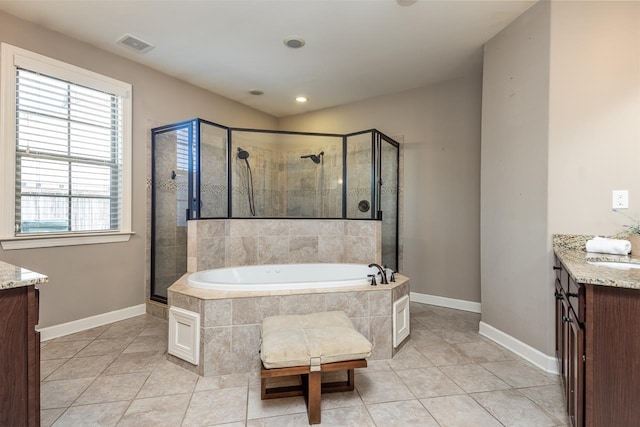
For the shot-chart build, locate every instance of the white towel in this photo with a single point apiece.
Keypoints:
(609, 246)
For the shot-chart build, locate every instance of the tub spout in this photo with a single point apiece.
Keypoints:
(383, 276)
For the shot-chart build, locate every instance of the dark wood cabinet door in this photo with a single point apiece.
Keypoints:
(559, 325)
(576, 370)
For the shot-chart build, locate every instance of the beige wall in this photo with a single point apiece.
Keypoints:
(515, 99)
(594, 115)
(90, 280)
(440, 125)
(561, 129)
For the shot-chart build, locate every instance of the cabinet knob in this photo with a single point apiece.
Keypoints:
(558, 295)
(567, 319)
(572, 294)
(555, 267)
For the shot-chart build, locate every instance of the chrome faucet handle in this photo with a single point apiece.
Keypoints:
(373, 279)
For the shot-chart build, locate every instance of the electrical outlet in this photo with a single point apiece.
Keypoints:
(620, 199)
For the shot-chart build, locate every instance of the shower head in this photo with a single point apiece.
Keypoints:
(314, 157)
(242, 154)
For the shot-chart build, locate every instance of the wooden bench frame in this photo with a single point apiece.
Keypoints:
(311, 385)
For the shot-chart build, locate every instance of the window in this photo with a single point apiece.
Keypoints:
(66, 148)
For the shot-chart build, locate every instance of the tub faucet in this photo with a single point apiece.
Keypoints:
(383, 276)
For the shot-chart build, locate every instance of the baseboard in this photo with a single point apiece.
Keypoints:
(80, 325)
(458, 304)
(538, 358)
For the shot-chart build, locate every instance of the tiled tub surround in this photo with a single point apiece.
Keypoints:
(570, 249)
(235, 242)
(230, 321)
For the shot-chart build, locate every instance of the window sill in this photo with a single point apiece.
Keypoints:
(62, 240)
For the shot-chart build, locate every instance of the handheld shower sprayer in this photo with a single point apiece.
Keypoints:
(316, 158)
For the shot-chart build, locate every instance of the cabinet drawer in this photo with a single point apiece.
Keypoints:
(576, 297)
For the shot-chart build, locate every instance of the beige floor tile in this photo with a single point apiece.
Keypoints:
(49, 416)
(100, 415)
(222, 381)
(168, 379)
(375, 365)
(408, 358)
(292, 420)
(101, 347)
(383, 386)
(112, 388)
(428, 382)
(47, 367)
(551, 399)
(164, 411)
(237, 424)
(484, 352)
(89, 334)
(521, 374)
(341, 400)
(82, 367)
(60, 394)
(400, 414)
(258, 408)
(147, 343)
(424, 337)
(474, 378)
(135, 362)
(442, 354)
(161, 329)
(513, 409)
(459, 411)
(352, 416)
(216, 407)
(123, 329)
(62, 350)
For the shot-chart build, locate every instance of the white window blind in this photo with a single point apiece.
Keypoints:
(69, 156)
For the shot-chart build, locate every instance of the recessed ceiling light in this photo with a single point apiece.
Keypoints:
(301, 99)
(294, 42)
(406, 3)
(256, 92)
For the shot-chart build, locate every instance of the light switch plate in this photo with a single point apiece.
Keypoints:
(620, 199)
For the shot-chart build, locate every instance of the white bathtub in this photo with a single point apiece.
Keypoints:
(283, 277)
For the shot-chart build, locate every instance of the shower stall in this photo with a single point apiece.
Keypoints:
(203, 170)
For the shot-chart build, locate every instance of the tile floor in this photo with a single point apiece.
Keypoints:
(447, 375)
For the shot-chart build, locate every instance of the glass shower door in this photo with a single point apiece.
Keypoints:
(169, 206)
(387, 192)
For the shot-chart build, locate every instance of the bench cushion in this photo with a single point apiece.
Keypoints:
(311, 340)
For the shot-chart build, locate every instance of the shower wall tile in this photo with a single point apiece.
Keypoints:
(212, 253)
(273, 227)
(331, 249)
(361, 228)
(304, 227)
(241, 251)
(303, 249)
(244, 227)
(211, 228)
(273, 250)
(361, 250)
(275, 241)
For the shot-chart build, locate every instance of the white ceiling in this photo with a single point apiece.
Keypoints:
(355, 49)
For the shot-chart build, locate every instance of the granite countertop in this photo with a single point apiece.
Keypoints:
(12, 276)
(570, 249)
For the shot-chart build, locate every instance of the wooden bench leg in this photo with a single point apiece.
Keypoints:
(314, 397)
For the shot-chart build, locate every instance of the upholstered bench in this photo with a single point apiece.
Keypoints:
(308, 345)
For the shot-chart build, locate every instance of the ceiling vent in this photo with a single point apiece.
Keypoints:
(135, 44)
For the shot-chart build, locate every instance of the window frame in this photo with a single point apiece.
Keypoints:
(11, 58)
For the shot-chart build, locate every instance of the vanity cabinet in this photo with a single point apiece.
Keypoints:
(598, 351)
(19, 357)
